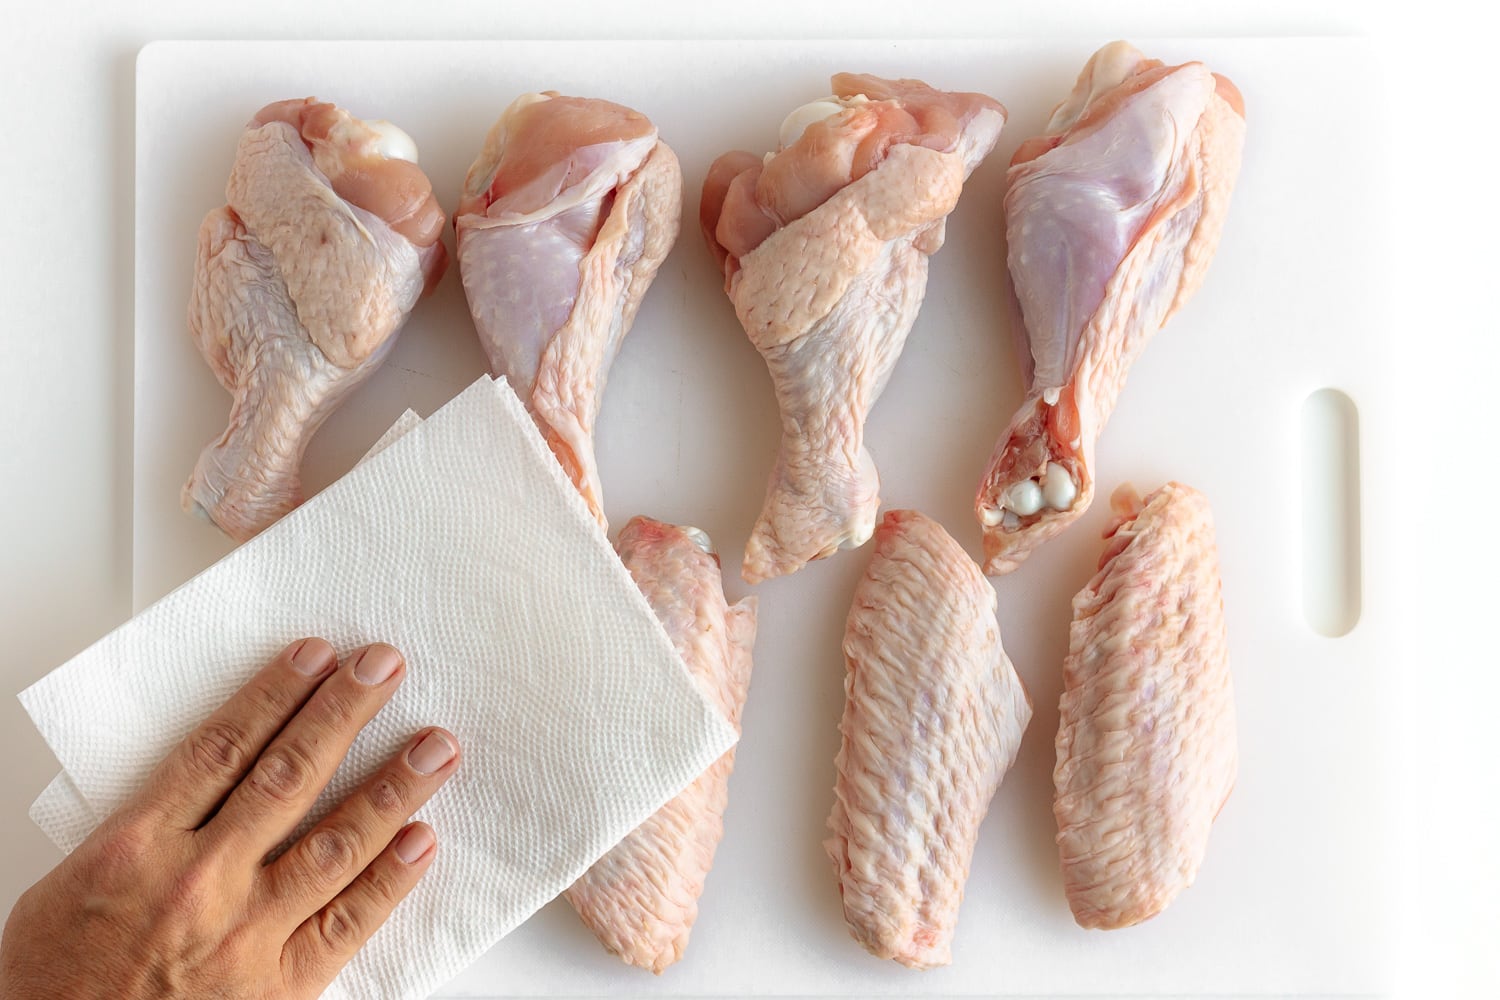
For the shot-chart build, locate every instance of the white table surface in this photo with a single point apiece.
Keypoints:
(65, 408)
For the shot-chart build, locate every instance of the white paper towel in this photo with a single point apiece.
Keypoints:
(463, 544)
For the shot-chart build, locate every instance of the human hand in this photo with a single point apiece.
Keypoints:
(172, 895)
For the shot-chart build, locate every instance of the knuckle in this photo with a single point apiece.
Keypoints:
(29, 905)
(262, 697)
(282, 773)
(329, 853)
(133, 824)
(122, 851)
(385, 888)
(219, 748)
(336, 710)
(190, 891)
(389, 796)
(239, 948)
(339, 928)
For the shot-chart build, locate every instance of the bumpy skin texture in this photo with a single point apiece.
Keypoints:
(299, 289)
(1146, 749)
(824, 248)
(641, 898)
(933, 718)
(1112, 217)
(567, 214)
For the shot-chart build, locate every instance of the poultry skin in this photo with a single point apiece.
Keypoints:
(933, 717)
(566, 215)
(641, 898)
(1146, 746)
(1112, 216)
(301, 284)
(824, 246)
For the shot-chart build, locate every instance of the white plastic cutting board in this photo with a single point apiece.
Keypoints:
(1294, 896)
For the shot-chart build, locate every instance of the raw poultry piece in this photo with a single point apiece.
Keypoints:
(301, 283)
(641, 898)
(824, 248)
(1111, 216)
(933, 717)
(1146, 748)
(565, 217)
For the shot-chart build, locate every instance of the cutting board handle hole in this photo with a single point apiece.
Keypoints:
(1330, 513)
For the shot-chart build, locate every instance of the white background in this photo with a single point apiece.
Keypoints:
(65, 406)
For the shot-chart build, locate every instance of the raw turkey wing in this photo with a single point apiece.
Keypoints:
(641, 898)
(1146, 747)
(933, 717)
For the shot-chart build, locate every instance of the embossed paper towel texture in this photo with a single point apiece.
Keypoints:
(61, 811)
(463, 544)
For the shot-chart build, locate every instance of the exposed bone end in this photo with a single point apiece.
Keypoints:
(642, 531)
(392, 142)
(1025, 497)
(1010, 536)
(700, 538)
(1106, 69)
(860, 529)
(1053, 490)
(863, 518)
(814, 111)
(1058, 489)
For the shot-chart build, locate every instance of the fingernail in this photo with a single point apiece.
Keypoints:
(376, 664)
(431, 753)
(414, 842)
(313, 657)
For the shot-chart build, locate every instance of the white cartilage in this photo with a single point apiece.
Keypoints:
(796, 123)
(700, 538)
(1025, 497)
(1109, 68)
(393, 144)
(1058, 488)
(1050, 396)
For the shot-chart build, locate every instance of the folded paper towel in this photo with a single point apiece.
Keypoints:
(463, 544)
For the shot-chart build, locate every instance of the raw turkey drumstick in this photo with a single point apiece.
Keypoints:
(301, 284)
(933, 717)
(824, 248)
(1111, 216)
(565, 217)
(641, 898)
(1146, 747)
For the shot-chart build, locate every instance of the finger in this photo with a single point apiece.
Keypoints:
(201, 770)
(327, 859)
(263, 809)
(325, 942)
